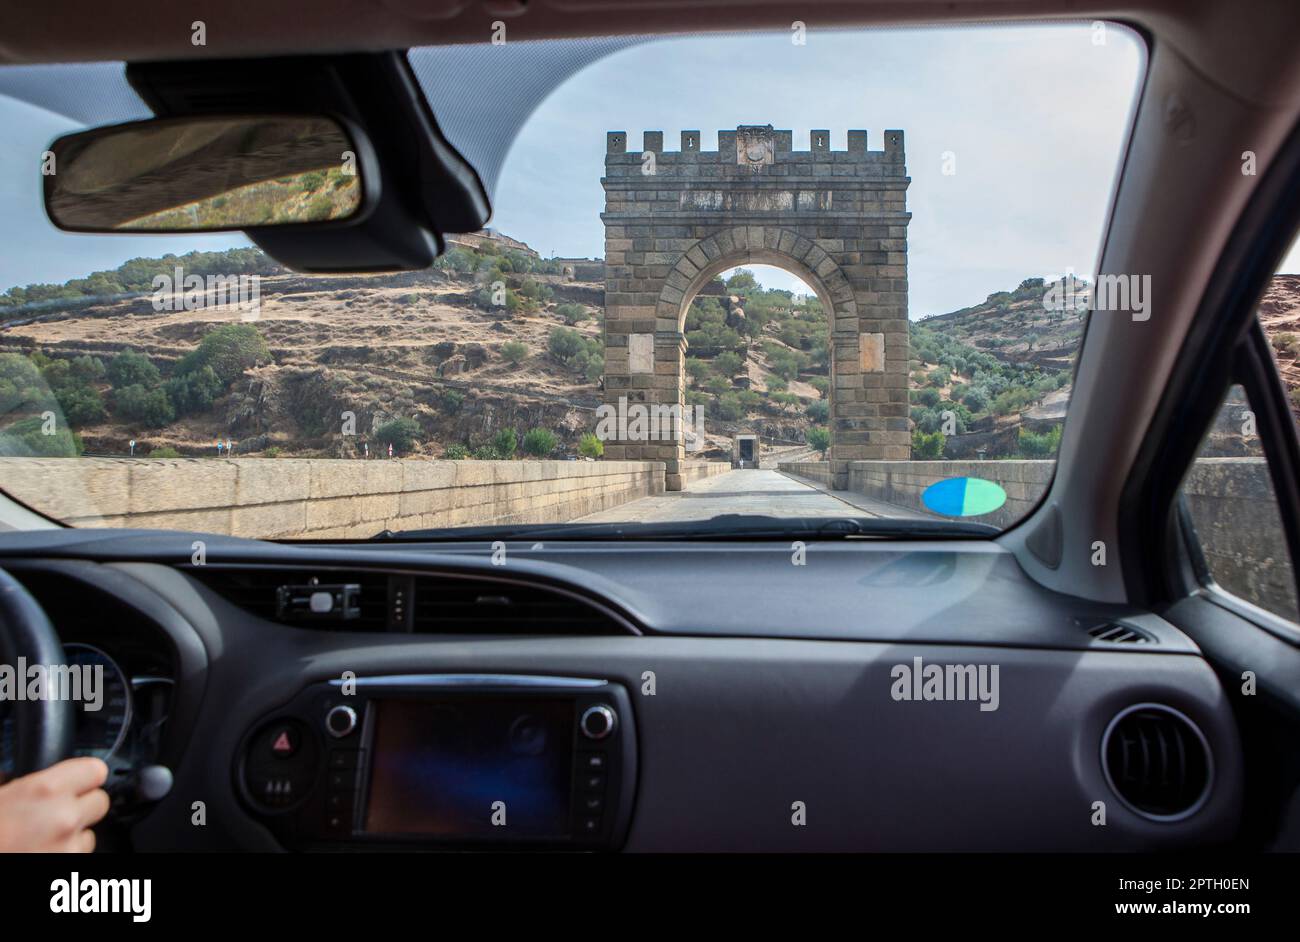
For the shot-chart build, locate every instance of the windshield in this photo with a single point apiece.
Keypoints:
(807, 274)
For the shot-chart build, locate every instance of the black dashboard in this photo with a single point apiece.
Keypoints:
(638, 696)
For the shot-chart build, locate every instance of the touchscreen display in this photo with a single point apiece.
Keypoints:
(439, 767)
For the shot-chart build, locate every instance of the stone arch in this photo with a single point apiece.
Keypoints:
(837, 220)
(755, 245)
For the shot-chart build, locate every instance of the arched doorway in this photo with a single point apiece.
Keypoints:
(837, 220)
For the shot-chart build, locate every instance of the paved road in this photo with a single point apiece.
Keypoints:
(769, 493)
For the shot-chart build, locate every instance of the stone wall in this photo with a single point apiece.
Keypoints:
(1231, 501)
(695, 470)
(323, 499)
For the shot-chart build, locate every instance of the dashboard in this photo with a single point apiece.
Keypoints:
(633, 696)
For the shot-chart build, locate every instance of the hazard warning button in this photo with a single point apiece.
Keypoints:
(284, 741)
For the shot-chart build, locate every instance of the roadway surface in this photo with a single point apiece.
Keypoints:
(766, 493)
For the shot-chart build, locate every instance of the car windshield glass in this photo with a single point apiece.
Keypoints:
(799, 274)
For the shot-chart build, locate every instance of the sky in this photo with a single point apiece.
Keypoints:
(1032, 121)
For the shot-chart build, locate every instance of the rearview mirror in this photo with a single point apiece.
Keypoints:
(204, 173)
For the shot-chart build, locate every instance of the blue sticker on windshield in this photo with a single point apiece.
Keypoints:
(963, 497)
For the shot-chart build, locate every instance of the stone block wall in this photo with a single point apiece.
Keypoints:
(324, 499)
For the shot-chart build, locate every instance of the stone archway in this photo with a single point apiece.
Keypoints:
(837, 219)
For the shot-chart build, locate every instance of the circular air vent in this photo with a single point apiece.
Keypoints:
(1157, 762)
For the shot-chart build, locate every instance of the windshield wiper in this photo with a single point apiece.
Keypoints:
(721, 527)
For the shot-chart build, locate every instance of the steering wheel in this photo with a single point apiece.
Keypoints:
(42, 728)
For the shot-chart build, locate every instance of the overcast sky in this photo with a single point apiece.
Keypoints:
(1034, 118)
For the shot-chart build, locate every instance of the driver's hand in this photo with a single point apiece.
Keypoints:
(52, 811)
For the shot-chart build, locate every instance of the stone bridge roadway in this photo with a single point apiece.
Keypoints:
(767, 493)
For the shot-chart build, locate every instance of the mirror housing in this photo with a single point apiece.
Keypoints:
(210, 173)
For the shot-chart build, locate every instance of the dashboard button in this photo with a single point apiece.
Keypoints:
(597, 722)
(284, 742)
(344, 758)
(593, 761)
(340, 721)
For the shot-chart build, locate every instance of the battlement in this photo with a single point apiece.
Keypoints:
(758, 145)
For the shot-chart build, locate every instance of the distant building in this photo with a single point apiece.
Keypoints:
(473, 240)
(583, 269)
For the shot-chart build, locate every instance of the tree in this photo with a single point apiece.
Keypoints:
(401, 433)
(590, 446)
(229, 350)
(130, 368)
(741, 281)
(148, 407)
(819, 411)
(193, 392)
(539, 442)
(819, 438)
(727, 363)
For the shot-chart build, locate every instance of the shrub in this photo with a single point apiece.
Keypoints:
(697, 369)
(505, 442)
(193, 392)
(563, 343)
(539, 442)
(572, 313)
(148, 407)
(514, 351)
(455, 452)
(590, 446)
(400, 433)
(81, 405)
(729, 407)
(1013, 400)
(728, 363)
(129, 368)
(927, 446)
(229, 350)
(925, 397)
(819, 438)
(819, 411)
(26, 438)
(451, 400)
(165, 452)
(1044, 445)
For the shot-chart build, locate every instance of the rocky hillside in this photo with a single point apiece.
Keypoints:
(493, 343)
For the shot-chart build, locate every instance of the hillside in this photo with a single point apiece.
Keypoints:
(438, 363)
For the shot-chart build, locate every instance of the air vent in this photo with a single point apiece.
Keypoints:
(400, 602)
(1119, 633)
(446, 605)
(1157, 761)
